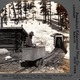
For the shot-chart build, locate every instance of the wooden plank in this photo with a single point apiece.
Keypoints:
(7, 38)
(7, 43)
(7, 33)
(7, 46)
(13, 37)
(4, 41)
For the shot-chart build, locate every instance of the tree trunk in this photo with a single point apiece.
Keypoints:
(50, 12)
(60, 22)
(45, 14)
(14, 10)
(1, 22)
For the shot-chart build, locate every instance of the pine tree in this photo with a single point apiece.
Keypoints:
(43, 10)
(14, 12)
(49, 11)
(9, 7)
(5, 16)
(62, 17)
(1, 16)
(46, 10)
(32, 7)
(25, 7)
(19, 9)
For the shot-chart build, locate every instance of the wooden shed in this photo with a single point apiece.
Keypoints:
(12, 38)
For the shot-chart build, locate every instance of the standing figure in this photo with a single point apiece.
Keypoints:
(29, 39)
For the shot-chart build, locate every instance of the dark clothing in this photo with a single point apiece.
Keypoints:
(28, 42)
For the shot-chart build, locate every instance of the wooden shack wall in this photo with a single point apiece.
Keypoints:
(11, 40)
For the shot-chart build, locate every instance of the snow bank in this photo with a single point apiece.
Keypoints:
(3, 51)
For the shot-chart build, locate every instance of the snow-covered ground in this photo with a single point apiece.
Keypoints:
(42, 32)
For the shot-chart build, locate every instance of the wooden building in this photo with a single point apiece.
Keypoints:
(12, 38)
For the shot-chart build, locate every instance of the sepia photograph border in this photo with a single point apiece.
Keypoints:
(73, 9)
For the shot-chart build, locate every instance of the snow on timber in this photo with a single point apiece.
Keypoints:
(41, 31)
